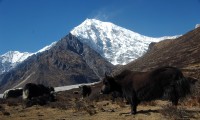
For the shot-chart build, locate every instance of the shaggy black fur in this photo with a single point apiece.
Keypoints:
(85, 90)
(164, 82)
(37, 94)
(34, 90)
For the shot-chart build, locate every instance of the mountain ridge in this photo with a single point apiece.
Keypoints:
(181, 52)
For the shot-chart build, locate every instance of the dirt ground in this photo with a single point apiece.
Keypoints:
(104, 110)
(70, 106)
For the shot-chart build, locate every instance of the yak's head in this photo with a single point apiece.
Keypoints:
(51, 90)
(83, 89)
(108, 84)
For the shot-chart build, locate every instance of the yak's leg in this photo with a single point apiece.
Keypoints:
(134, 103)
(174, 96)
(175, 101)
(133, 108)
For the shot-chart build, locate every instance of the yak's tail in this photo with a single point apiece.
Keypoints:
(179, 87)
(182, 86)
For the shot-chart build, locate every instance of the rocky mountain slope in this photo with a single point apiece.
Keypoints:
(118, 45)
(182, 52)
(68, 62)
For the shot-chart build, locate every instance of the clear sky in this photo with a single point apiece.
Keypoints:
(29, 25)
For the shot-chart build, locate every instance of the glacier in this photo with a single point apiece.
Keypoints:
(117, 44)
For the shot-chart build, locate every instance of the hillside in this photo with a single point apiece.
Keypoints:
(66, 63)
(182, 52)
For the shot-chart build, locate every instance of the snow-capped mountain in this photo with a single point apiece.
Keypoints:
(14, 56)
(118, 45)
(197, 25)
(11, 59)
(46, 47)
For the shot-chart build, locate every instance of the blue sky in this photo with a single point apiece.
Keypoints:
(29, 25)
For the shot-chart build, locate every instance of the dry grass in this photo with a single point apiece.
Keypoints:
(72, 107)
(150, 103)
(193, 101)
(172, 112)
(96, 106)
(83, 106)
(12, 101)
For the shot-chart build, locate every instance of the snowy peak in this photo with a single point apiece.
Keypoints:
(118, 45)
(17, 57)
(14, 56)
(11, 59)
(197, 25)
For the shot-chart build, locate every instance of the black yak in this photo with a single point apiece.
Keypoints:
(31, 90)
(116, 94)
(164, 82)
(85, 90)
(12, 93)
